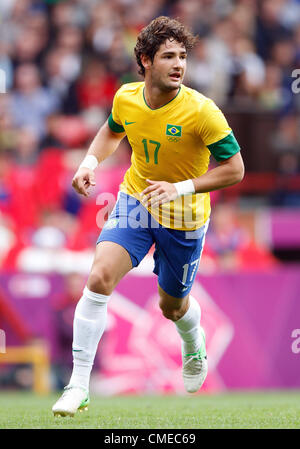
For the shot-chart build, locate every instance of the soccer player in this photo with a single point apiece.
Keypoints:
(164, 199)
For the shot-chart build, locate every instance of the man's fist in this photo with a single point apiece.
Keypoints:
(83, 179)
(159, 192)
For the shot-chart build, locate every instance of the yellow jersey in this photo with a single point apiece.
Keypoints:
(171, 143)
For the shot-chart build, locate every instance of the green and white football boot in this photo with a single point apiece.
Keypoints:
(73, 399)
(195, 367)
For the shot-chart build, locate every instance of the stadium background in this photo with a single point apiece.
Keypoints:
(63, 62)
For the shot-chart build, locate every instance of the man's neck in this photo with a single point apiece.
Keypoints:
(156, 98)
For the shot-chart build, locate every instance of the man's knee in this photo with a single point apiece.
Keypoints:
(173, 311)
(171, 314)
(101, 280)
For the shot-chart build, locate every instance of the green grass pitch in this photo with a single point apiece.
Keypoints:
(252, 410)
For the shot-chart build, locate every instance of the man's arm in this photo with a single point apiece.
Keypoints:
(227, 173)
(103, 145)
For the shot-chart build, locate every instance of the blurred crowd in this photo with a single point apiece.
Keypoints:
(63, 61)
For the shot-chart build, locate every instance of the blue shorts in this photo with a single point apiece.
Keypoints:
(177, 253)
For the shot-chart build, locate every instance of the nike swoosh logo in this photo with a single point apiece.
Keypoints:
(128, 123)
(76, 350)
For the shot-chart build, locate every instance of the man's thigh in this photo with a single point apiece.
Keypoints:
(128, 227)
(112, 261)
(177, 257)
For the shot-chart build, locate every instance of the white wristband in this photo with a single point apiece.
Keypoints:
(90, 162)
(184, 187)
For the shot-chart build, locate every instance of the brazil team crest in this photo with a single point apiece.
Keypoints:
(111, 223)
(173, 132)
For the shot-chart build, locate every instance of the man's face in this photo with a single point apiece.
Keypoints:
(168, 67)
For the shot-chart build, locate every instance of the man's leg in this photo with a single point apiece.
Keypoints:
(186, 313)
(110, 264)
(177, 256)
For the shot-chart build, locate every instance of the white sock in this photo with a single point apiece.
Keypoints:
(88, 327)
(188, 327)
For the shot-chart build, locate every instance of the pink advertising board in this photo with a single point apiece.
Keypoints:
(252, 323)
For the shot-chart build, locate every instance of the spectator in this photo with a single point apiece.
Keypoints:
(271, 94)
(28, 46)
(70, 41)
(251, 66)
(225, 238)
(32, 103)
(268, 27)
(6, 64)
(284, 54)
(201, 71)
(59, 81)
(96, 87)
(52, 138)
(231, 246)
(286, 145)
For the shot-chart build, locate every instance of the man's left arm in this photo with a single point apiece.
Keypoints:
(227, 173)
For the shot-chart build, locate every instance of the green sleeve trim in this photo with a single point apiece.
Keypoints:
(224, 148)
(115, 127)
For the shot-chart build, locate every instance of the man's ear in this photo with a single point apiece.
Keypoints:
(146, 61)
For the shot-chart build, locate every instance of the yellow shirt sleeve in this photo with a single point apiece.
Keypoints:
(114, 120)
(213, 129)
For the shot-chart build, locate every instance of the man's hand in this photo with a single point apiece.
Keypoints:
(159, 192)
(83, 179)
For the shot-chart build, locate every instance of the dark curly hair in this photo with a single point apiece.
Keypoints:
(156, 33)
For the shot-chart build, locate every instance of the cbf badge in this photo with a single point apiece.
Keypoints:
(111, 223)
(173, 133)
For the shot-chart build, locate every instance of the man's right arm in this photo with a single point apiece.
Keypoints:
(103, 145)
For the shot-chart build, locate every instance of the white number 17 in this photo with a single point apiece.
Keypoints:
(186, 266)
